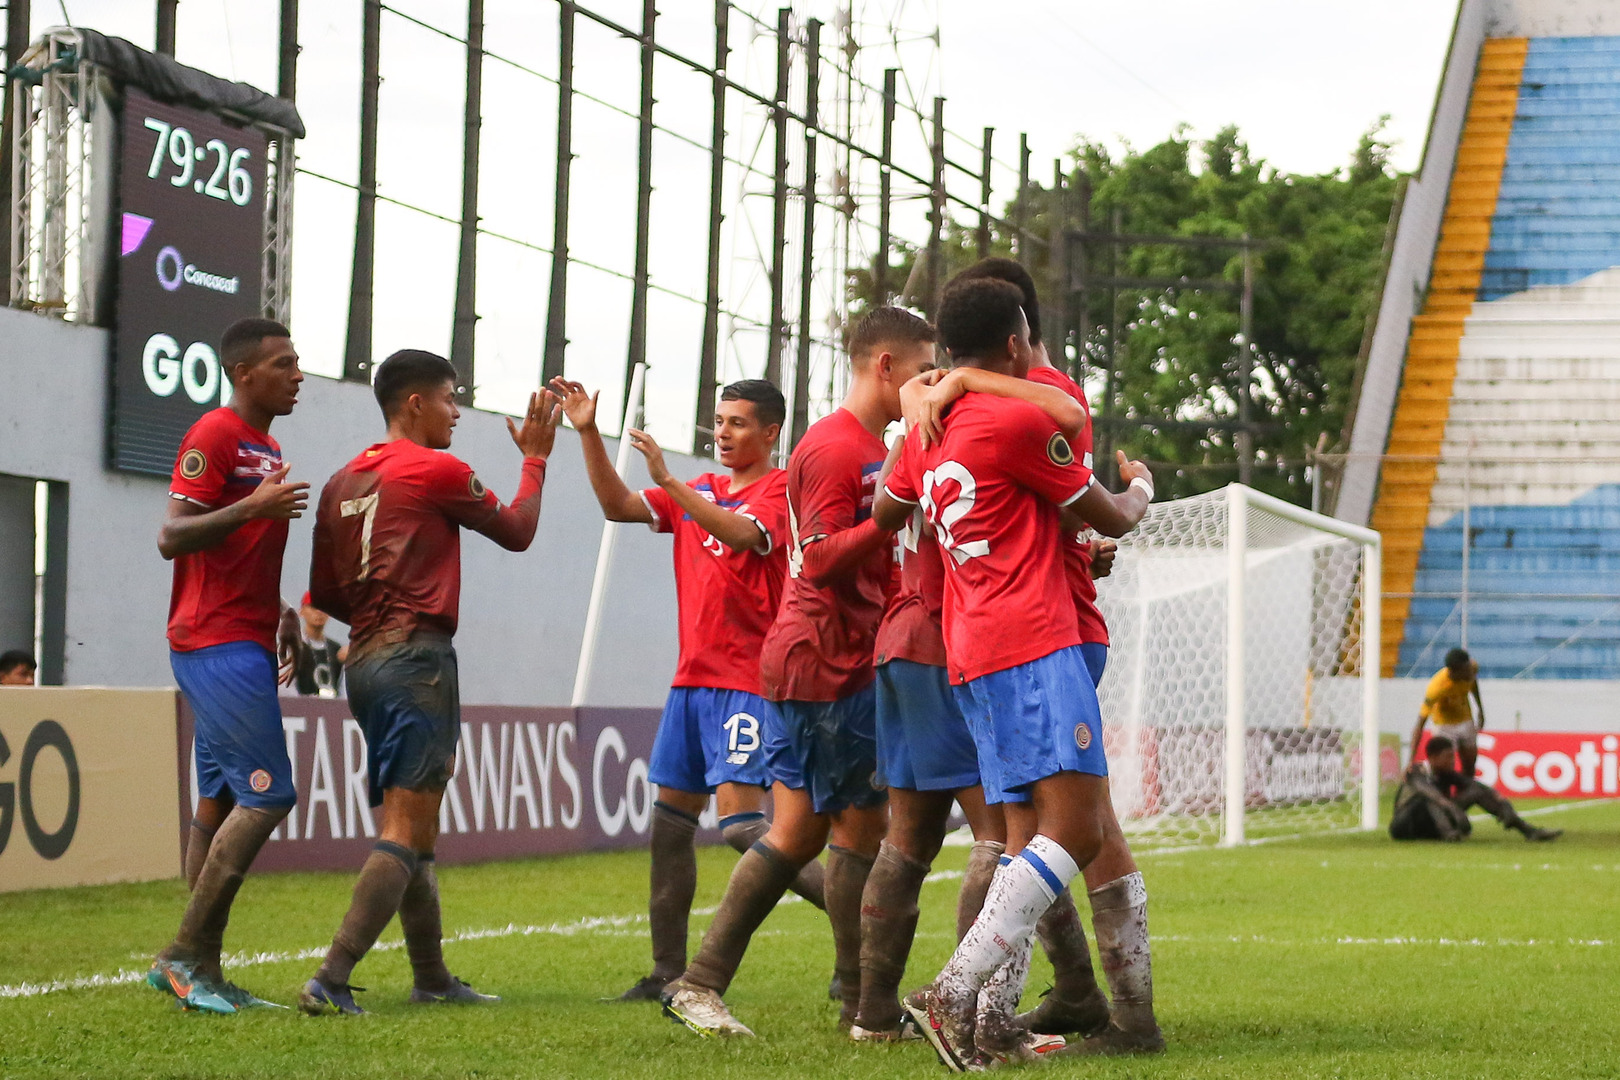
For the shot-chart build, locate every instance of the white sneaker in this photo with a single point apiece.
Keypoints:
(906, 1032)
(701, 1010)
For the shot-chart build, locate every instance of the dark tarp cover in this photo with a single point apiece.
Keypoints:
(169, 81)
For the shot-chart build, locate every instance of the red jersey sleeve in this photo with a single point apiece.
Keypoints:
(463, 498)
(828, 495)
(1036, 454)
(206, 458)
(904, 484)
(768, 509)
(664, 510)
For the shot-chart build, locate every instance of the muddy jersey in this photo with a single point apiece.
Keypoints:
(727, 599)
(231, 591)
(1076, 551)
(991, 487)
(387, 556)
(820, 646)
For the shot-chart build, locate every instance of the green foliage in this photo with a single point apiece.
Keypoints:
(1341, 955)
(1178, 354)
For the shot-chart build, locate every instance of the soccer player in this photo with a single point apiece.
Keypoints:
(387, 561)
(226, 529)
(730, 535)
(1434, 798)
(1113, 881)
(320, 659)
(992, 488)
(816, 666)
(16, 668)
(1446, 703)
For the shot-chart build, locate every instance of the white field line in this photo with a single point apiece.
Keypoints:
(1480, 943)
(600, 924)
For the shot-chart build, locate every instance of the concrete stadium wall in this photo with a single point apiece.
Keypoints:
(1552, 18)
(522, 615)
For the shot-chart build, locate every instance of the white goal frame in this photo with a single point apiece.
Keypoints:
(1239, 500)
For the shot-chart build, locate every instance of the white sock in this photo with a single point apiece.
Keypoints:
(1119, 917)
(999, 998)
(1022, 889)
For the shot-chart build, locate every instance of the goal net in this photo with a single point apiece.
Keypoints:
(1240, 696)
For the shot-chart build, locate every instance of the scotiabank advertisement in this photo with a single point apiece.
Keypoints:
(1549, 765)
(529, 781)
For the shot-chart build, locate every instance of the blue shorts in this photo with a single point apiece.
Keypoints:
(923, 742)
(407, 701)
(240, 746)
(707, 738)
(1095, 654)
(828, 748)
(1033, 721)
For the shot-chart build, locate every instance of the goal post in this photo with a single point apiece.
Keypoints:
(1241, 697)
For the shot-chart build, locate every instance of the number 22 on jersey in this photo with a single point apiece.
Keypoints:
(948, 494)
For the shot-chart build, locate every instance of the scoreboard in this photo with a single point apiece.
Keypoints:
(190, 262)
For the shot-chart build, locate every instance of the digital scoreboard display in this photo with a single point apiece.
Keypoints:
(191, 237)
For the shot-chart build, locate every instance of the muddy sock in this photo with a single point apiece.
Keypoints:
(1023, 889)
(995, 1026)
(424, 927)
(202, 928)
(1119, 916)
(847, 872)
(377, 895)
(743, 831)
(981, 868)
(1063, 936)
(758, 882)
(198, 841)
(674, 882)
(888, 926)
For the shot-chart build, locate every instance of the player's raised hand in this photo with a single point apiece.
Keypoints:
(578, 406)
(656, 469)
(275, 499)
(924, 399)
(1130, 470)
(539, 431)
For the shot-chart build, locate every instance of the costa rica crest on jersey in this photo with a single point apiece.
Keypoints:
(1058, 449)
(475, 486)
(193, 464)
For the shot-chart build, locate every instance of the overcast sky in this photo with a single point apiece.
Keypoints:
(1301, 79)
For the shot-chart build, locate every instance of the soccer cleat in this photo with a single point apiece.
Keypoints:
(1535, 834)
(458, 994)
(949, 1031)
(318, 999)
(1114, 1041)
(243, 999)
(905, 1031)
(1056, 1015)
(197, 993)
(649, 988)
(1029, 1047)
(701, 1010)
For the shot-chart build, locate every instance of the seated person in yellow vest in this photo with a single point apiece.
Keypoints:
(1434, 798)
(1445, 703)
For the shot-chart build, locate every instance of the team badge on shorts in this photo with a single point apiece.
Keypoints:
(1082, 736)
(193, 464)
(1059, 450)
(475, 486)
(259, 781)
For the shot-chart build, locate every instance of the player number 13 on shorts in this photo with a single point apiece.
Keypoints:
(742, 733)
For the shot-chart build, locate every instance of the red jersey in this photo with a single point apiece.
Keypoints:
(232, 591)
(911, 627)
(1076, 550)
(387, 557)
(991, 488)
(727, 598)
(820, 646)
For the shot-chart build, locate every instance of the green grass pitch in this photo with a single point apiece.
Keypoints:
(1329, 956)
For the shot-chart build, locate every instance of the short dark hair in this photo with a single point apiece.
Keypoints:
(1438, 744)
(240, 343)
(12, 659)
(770, 407)
(407, 372)
(978, 315)
(1012, 272)
(889, 326)
(1457, 658)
